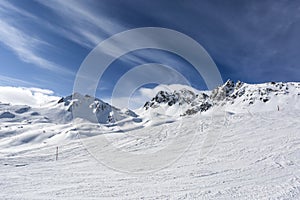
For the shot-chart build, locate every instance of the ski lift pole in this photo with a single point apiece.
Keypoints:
(56, 155)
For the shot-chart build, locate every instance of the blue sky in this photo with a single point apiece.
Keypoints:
(43, 43)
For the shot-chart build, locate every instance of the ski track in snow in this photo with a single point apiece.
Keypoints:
(250, 156)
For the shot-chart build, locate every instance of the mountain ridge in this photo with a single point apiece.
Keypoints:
(229, 94)
(178, 102)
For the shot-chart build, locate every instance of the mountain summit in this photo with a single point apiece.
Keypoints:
(94, 109)
(232, 96)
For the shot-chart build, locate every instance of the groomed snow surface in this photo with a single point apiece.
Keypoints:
(255, 156)
(233, 151)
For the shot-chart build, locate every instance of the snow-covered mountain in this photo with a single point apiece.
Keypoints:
(93, 109)
(236, 97)
(254, 154)
(183, 101)
(65, 110)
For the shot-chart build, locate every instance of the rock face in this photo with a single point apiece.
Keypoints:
(187, 99)
(229, 94)
(181, 97)
(223, 91)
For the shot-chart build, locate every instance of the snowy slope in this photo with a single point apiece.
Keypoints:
(233, 150)
(253, 158)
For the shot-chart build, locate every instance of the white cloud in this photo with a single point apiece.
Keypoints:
(42, 91)
(25, 96)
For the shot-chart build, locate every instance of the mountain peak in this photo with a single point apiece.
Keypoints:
(230, 95)
(93, 109)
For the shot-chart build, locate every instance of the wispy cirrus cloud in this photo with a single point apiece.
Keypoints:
(6, 80)
(25, 46)
(81, 23)
(8, 8)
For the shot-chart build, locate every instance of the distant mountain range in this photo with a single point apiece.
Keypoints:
(234, 97)
(229, 96)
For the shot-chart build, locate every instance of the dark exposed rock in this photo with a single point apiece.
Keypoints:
(265, 100)
(61, 100)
